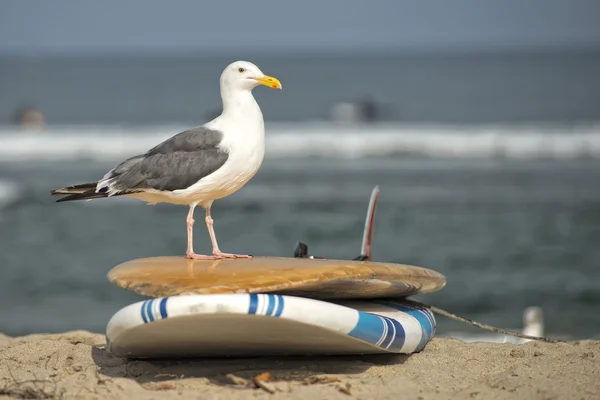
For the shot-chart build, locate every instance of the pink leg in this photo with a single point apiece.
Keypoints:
(216, 251)
(190, 241)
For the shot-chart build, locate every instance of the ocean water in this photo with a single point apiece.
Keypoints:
(183, 88)
(489, 170)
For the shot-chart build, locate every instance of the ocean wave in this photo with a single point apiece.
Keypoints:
(321, 140)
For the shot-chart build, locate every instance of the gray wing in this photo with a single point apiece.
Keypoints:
(176, 163)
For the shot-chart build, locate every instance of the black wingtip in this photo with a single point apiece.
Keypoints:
(68, 198)
(82, 196)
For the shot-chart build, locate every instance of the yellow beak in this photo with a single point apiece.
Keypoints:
(269, 81)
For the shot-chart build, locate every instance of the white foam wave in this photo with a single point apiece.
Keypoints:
(321, 140)
(523, 142)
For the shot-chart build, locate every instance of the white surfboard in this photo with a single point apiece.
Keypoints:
(265, 325)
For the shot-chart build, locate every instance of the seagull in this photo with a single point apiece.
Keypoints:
(197, 166)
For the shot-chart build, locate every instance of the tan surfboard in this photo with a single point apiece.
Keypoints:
(313, 278)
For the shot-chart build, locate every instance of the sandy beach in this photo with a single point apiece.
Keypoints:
(76, 365)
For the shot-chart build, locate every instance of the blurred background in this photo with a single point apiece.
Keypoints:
(480, 122)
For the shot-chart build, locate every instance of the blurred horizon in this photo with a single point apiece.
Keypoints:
(497, 88)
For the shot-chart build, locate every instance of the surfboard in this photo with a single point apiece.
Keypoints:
(266, 325)
(304, 305)
(313, 278)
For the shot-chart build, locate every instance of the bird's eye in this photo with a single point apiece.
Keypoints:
(241, 70)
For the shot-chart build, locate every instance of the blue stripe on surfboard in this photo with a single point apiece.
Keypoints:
(399, 335)
(423, 316)
(390, 333)
(163, 308)
(143, 310)
(149, 310)
(271, 303)
(395, 335)
(253, 304)
(279, 306)
(369, 328)
(374, 329)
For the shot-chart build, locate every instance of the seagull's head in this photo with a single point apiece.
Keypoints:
(243, 75)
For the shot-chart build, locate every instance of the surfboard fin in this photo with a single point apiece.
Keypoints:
(366, 250)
